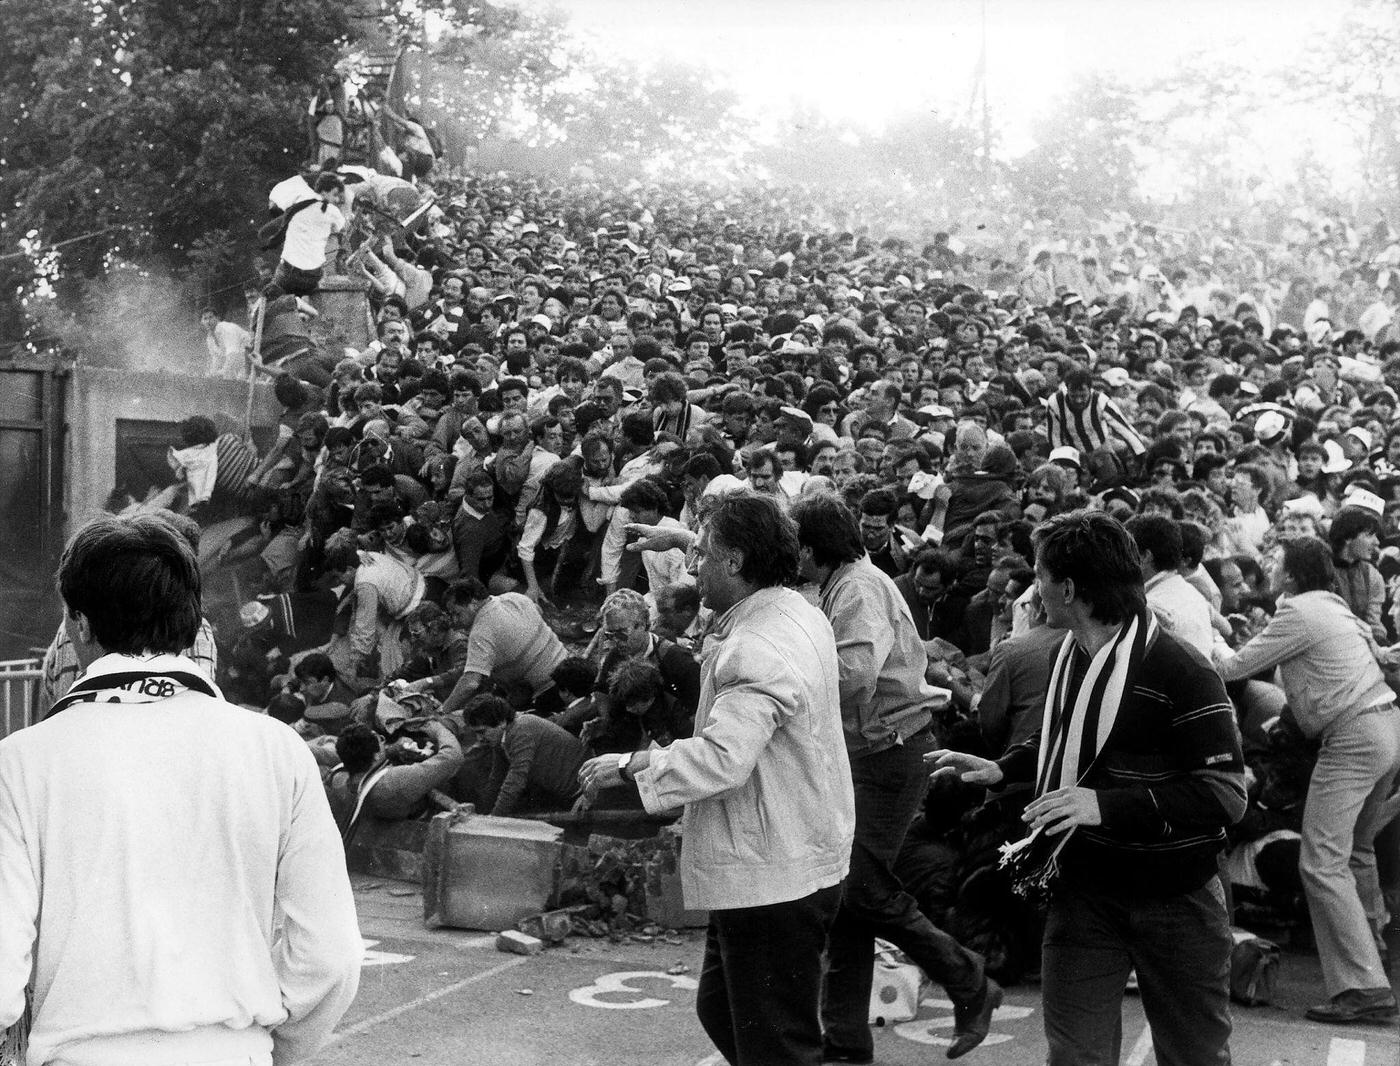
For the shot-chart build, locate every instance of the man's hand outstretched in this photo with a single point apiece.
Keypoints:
(971, 769)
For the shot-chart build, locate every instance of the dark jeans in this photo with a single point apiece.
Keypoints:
(288, 280)
(1180, 947)
(760, 984)
(889, 787)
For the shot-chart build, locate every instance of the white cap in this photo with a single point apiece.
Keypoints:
(1115, 377)
(1362, 435)
(1307, 504)
(1365, 499)
(1066, 454)
(1270, 426)
(1336, 462)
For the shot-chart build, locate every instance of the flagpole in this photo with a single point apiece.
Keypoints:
(986, 110)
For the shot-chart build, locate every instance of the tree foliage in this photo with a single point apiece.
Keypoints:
(503, 75)
(132, 128)
(1357, 75)
(1086, 150)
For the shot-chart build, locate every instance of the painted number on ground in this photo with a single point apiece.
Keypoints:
(381, 958)
(620, 985)
(939, 1029)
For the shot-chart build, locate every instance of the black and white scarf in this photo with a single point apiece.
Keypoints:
(1080, 714)
(1079, 717)
(136, 679)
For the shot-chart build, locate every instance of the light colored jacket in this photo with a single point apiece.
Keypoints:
(884, 697)
(172, 872)
(1325, 660)
(765, 780)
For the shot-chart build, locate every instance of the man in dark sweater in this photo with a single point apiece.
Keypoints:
(1139, 760)
(535, 761)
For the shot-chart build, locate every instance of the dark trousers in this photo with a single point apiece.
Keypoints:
(760, 984)
(1180, 947)
(288, 280)
(889, 787)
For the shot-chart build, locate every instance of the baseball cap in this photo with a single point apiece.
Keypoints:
(1066, 454)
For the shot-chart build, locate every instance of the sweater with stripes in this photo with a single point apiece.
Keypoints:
(1097, 426)
(1170, 778)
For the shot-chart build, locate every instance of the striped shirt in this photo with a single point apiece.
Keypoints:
(1090, 429)
(236, 462)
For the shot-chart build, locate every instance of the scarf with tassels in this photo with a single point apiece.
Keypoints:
(1080, 713)
(1079, 717)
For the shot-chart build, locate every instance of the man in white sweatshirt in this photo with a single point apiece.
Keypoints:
(174, 885)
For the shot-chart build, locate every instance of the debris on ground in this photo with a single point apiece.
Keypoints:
(551, 926)
(514, 942)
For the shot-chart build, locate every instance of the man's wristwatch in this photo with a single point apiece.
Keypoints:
(623, 761)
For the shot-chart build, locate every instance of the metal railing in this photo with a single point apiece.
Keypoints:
(19, 687)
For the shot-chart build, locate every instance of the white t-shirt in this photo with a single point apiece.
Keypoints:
(307, 234)
(285, 193)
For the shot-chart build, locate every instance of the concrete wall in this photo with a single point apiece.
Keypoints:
(99, 397)
(345, 315)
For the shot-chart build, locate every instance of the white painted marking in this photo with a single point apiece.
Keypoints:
(381, 958)
(1343, 1052)
(467, 943)
(1142, 1048)
(924, 1030)
(422, 1001)
(615, 984)
(712, 1060)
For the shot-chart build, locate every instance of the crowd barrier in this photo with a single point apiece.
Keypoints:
(19, 688)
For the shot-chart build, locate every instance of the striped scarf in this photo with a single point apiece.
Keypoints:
(117, 678)
(1080, 714)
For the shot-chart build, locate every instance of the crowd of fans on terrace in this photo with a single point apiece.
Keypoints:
(550, 366)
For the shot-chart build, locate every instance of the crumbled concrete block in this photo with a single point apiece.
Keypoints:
(518, 943)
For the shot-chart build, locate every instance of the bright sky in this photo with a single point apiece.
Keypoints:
(868, 59)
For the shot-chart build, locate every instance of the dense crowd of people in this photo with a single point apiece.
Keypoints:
(449, 573)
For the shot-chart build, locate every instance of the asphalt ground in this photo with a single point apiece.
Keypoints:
(449, 998)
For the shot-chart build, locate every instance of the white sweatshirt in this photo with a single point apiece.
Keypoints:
(175, 868)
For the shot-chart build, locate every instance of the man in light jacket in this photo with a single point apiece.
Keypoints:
(769, 812)
(201, 913)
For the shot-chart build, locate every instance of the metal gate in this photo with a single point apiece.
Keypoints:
(32, 429)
